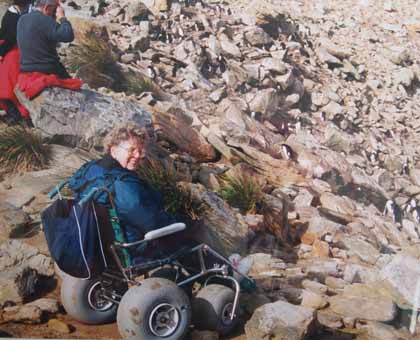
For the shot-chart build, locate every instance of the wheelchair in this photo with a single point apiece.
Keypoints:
(157, 297)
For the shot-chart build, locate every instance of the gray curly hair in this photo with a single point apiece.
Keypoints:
(123, 132)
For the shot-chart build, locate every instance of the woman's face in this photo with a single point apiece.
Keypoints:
(129, 153)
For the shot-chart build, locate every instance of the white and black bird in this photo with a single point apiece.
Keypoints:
(322, 116)
(416, 214)
(256, 115)
(221, 63)
(374, 156)
(298, 125)
(405, 168)
(286, 151)
(391, 209)
(151, 72)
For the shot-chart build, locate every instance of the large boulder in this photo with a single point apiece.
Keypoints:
(220, 227)
(399, 278)
(375, 308)
(84, 117)
(280, 320)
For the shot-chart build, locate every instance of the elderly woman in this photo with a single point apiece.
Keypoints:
(139, 207)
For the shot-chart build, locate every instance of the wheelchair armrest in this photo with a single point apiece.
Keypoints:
(168, 230)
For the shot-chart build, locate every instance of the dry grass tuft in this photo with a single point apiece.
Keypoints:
(22, 149)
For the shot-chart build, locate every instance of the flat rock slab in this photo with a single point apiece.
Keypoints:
(399, 279)
(221, 227)
(280, 320)
(85, 116)
(24, 188)
(15, 254)
(365, 308)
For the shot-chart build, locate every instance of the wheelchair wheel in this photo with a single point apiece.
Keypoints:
(212, 307)
(83, 301)
(157, 309)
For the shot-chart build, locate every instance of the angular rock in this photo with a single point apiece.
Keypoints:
(375, 308)
(313, 300)
(46, 305)
(59, 326)
(12, 221)
(399, 279)
(339, 204)
(17, 284)
(280, 320)
(23, 314)
(83, 116)
(329, 319)
(380, 331)
(359, 247)
(220, 227)
(265, 101)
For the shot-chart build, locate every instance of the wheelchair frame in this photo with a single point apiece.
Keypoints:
(126, 274)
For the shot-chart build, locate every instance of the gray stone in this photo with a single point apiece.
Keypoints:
(23, 314)
(376, 307)
(329, 319)
(59, 326)
(357, 273)
(379, 331)
(12, 221)
(358, 246)
(17, 284)
(257, 37)
(313, 300)
(230, 48)
(399, 279)
(84, 115)
(220, 227)
(46, 305)
(280, 320)
(405, 77)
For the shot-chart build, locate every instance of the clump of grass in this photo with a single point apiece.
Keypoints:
(176, 199)
(242, 192)
(22, 149)
(93, 50)
(133, 83)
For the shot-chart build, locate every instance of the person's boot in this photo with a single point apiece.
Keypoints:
(12, 116)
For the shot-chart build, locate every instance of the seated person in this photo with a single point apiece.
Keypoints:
(38, 33)
(139, 208)
(9, 62)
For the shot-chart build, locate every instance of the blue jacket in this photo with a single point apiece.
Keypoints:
(139, 207)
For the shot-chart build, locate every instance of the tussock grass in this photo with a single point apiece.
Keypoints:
(22, 149)
(133, 83)
(176, 199)
(93, 50)
(242, 192)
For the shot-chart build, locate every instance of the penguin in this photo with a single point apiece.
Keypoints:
(256, 115)
(229, 11)
(243, 88)
(298, 125)
(221, 63)
(286, 151)
(416, 214)
(322, 116)
(181, 32)
(405, 168)
(151, 72)
(391, 209)
(374, 156)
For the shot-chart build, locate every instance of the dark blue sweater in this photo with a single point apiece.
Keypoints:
(37, 38)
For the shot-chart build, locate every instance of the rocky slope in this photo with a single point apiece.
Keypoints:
(318, 101)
